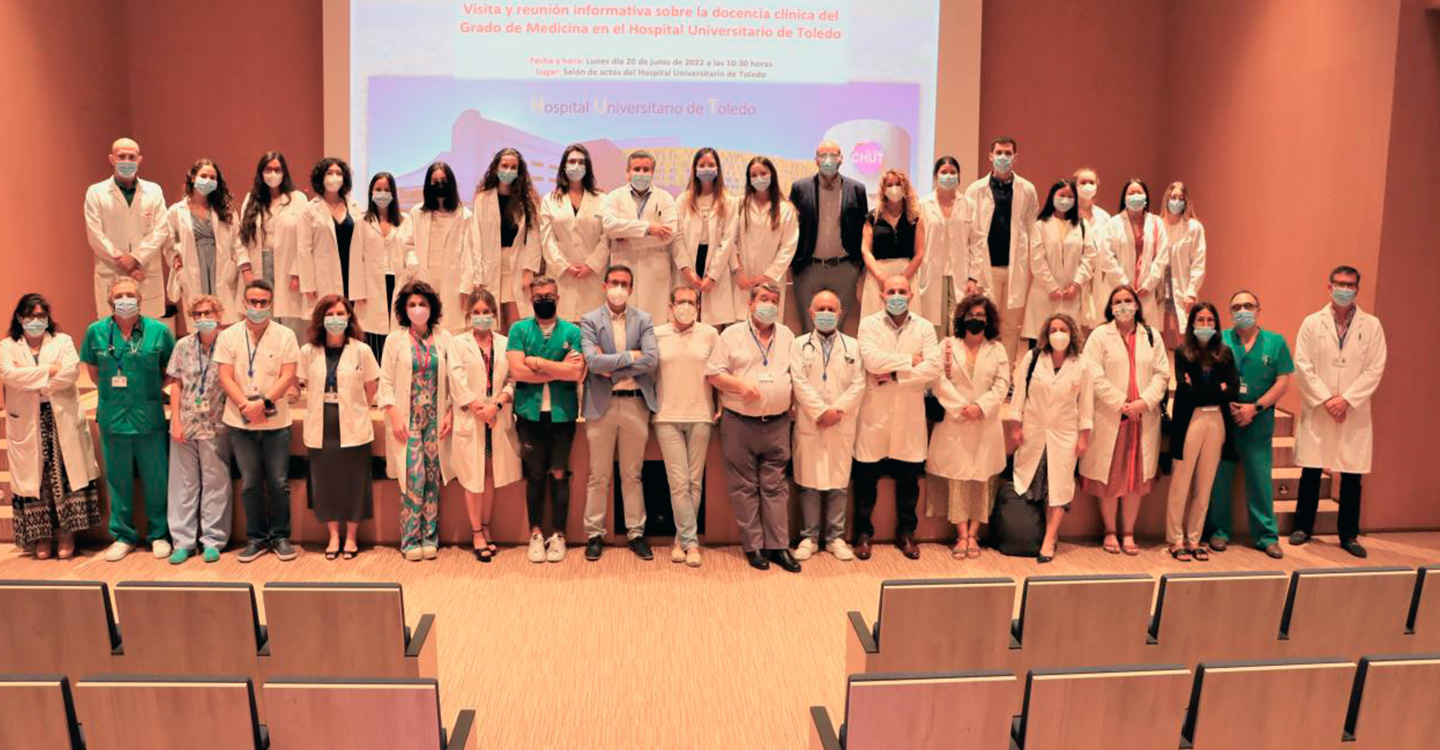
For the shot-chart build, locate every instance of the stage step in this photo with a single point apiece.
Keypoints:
(1282, 452)
(1326, 516)
(1286, 482)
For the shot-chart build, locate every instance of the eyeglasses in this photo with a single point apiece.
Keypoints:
(257, 303)
(1251, 306)
(543, 298)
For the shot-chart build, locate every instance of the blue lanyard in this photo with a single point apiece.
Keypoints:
(827, 350)
(204, 361)
(119, 354)
(764, 350)
(252, 352)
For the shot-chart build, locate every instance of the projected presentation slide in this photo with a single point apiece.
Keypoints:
(456, 81)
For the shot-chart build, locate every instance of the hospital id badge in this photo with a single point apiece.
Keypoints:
(1337, 362)
(1244, 389)
(332, 397)
(252, 391)
(119, 381)
(766, 377)
(200, 403)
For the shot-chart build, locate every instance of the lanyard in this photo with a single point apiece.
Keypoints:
(764, 350)
(827, 350)
(252, 352)
(119, 354)
(204, 363)
(489, 371)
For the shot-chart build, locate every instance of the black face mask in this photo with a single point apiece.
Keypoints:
(436, 190)
(974, 326)
(544, 308)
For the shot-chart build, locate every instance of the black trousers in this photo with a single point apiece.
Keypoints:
(866, 476)
(545, 448)
(1308, 503)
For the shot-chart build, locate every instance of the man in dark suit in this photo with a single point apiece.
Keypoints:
(832, 211)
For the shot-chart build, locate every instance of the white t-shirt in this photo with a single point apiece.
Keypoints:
(680, 383)
(275, 348)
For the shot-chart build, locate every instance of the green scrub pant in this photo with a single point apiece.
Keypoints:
(1255, 451)
(123, 453)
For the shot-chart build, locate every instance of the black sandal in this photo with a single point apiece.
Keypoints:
(1200, 555)
(489, 540)
(484, 554)
(349, 554)
(332, 554)
(1181, 554)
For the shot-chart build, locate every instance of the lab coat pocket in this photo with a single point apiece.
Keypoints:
(464, 423)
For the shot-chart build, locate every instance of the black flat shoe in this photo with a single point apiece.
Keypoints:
(784, 559)
(757, 560)
(1042, 559)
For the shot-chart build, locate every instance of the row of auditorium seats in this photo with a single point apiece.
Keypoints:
(1381, 703)
(1080, 621)
(311, 630)
(122, 712)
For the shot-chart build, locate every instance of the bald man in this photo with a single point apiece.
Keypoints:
(120, 211)
(831, 208)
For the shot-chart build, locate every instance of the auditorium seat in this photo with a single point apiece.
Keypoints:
(362, 714)
(1104, 708)
(1083, 621)
(36, 713)
(1269, 705)
(189, 628)
(1394, 705)
(345, 630)
(920, 711)
(57, 627)
(934, 624)
(1347, 612)
(1217, 616)
(125, 712)
(1423, 624)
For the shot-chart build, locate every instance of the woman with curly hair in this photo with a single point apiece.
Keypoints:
(894, 240)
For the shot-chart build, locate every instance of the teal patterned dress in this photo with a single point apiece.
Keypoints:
(420, 502)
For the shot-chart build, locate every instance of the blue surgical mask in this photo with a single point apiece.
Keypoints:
(382, 198)
(257, 315)
(1343, 297)
(706, 174)
(205, 185)
(897, 304)
(1002, 163)
(576, 172)
(482, 322)
(640, 181)
(507, 176)
(761, 183)
(35, 326)
(1135, 201)
(767, 312)
(1244, 319)
(126, 169)
(127, 307)
(948, 180)
(336, 323)
(206, 325)
(829, 166)
(1204, 334)
(1176, 207)
(825, 321)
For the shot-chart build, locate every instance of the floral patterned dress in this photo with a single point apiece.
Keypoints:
(420, 502)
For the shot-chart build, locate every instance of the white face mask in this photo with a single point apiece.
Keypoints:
(1063, 204)
(382, 198)
(948, 180)
(617, 295)
(1087, 191)
(684, 313)
(273, 179)
(333, 183)
(1124, 311)
(895, 193)
(1059, 340)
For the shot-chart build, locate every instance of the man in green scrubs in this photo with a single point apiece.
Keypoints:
(1263, 359)
(127, 354)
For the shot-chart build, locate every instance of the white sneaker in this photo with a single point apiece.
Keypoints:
(805, 549)
(555, 549)
(118, 551)
(677, 553)
(840, 550)
(161, 549)
(536, 552)
(692, 557)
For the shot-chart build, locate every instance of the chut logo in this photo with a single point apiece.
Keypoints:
(867, 157)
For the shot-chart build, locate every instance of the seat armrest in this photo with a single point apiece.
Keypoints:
(462, 732)
(822, 731)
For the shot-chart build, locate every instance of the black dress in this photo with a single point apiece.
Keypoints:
(340, 485)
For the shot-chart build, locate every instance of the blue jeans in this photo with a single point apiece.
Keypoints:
(263, 457)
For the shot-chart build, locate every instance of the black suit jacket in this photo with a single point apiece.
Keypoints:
(853, 207)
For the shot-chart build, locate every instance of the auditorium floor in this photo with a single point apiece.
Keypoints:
(627, 654)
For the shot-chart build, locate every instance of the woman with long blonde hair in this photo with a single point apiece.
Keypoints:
(894, 240)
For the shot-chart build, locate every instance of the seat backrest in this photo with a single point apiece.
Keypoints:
(1347, 612)
(1103, 708)
(189, 628)
(1270, 705)
(335, 629)
(1219, 616)
(121, 712)
(57, 627)
(1424, 621)
(354, 714)
(36, 713)
(929, 711)
(1393, 704)
(944, 624)
(1084, 621)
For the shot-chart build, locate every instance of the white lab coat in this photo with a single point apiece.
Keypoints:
(568, 236)
(467, 376)
(486, 254)
(1060, 253)
(1324, 371)
(27, 382)
(395, 382)
(1117, 262)
(357, 367)
(174, 238)
(1053, 409)
(1187, 266)
(970, 449)
(822, 457)
(275, 231)
(1024, 208)
(648, 257)
(115, 228)
(371, 256)
(954, 248)
(319, 254)
(450, 268)
(1094, 294)
(1109, 364)
(724, 303)
(758, 248)
(894, 413)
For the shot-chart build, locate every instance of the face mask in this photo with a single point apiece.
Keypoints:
(544, 308)
(1002, 162)
(257, 315)
(1087, 191)
(419, 316)
(706, 174)
(640, 181)
(482, 322)
(948, 180)
(616, 295)
(204, 185)
(1343, 297)
(767, 312)
(829, 166)
(895, 193)
(1176, 207)
(1063, 204)
(127, 307)
(1244, 319)
(206, 325)
(437, 190)
(1124, 311)
(825, 321)
(684, 313)
(1135, 201)
(1059, 341)
(973, 325)
(126, 169)
(897, 304)
(336, 323)
(35, 326)
(761, 183)
(273, 179)
(382, 198)
(576, 172)
(507, 176)
(1204, 334)
(333, 183)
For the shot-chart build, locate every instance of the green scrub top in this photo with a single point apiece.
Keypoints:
(1259, 368)
(138, 407)
(525, 336)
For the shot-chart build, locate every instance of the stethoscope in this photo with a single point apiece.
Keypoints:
(824, 357)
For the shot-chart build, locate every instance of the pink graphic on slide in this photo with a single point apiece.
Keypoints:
(868, 157)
